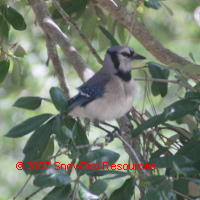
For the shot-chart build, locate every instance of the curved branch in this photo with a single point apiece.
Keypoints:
(70, 21)
(140, 32)
(50, 28)
(53, 55)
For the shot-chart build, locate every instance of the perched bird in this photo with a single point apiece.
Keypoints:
(109, 94)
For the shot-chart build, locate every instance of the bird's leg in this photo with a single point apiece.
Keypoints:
(115, 128)
(109, 136)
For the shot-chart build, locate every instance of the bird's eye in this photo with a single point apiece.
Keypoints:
(125, 54)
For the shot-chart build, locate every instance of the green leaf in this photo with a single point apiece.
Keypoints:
(28, 126)
(69, 122)
(59, 99)
(162, 162)
(80, 137)
(4, 30)
(29, 102)
(190, 150)
(152, 195)
(153, 180)
(173, 112)
(195, 96)
(126, 191)
(17, 74)
(184, 167)
(19, 51)
(112, 40)
(2, 3)
(15, 19)
(52, 177)
(49, 149)
(71, 7)
(152, 122)
(122, 33)
(182, 162)
(152, 4)
(4, 67)
(89, 22)
(38, 142)
(100, 172)
(197, 116)
(98, 187)
(179, 109)
(160, 72)
(36, 147)
(60, 192)
(100, 155)
(181, 186)
(194, 180)
(159, 152)
(61, 135)
(96, 157)
(158, 187)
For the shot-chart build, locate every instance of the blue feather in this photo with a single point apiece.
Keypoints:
(94, 88)
(85, 96)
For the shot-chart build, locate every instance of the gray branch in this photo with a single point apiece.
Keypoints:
(140, 32)
(53, 55)
(70, 21)
(51, 28)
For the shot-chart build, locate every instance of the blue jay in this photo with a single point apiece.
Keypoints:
(109, 94)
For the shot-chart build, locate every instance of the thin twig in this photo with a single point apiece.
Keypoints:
(46, 99)
(138, 68)
(178, 82)
(178, 130)
(157, 80)
(94, 144)
(72, 163)
(69, 20)
(22, 188)
(53, 55)
(183, 195)
(132, 151)
(34, 193)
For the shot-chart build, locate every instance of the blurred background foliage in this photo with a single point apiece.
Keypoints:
(171, 22)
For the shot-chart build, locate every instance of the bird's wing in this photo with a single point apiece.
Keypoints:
(89, 91)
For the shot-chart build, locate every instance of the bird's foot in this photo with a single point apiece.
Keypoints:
(109, 137)
(112, 135)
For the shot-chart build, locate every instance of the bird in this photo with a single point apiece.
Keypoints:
(108, 94)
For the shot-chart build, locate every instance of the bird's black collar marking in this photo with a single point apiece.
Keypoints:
(125, 76)
(115, 59)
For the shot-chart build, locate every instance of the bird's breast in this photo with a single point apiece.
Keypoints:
(115, 103)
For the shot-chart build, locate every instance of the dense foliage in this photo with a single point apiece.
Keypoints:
(164, 121)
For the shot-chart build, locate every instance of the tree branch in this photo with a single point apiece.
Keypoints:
(70, 21)
(55, 33)
(22, 188)
(139, 31)
(53, 55)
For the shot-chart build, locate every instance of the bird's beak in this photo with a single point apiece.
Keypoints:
(138, 57)
(138, 63)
